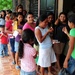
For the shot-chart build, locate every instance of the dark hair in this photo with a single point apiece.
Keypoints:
(63, 14)
(4, 13)
(19, 6)
(41, 18)
(29, 13)
(19, 13)
(71, 18)
(50, 13)
(13, 15)
(9, 11)
(27, 35)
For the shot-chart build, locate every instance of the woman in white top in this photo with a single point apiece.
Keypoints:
(46, 53)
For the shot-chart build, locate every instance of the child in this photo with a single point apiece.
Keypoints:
(46, 53)
(3, 42)
(17, 28)
(27, 53)
(69, 62)
(30, 22)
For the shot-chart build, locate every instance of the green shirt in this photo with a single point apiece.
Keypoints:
(72, 33)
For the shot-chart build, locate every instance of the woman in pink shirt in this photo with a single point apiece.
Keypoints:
(30, 22)
(27, 53)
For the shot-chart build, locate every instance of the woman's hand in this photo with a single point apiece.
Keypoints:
(50, 30)
(65, 65)
(65, 30)
(57, 21)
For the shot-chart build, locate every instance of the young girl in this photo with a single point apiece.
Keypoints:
(17, 28)
(27, 53)
(46, 53)
(69, 62)
(30, 22)
(60, 37)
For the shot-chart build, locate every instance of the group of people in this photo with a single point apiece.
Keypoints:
(45, 38)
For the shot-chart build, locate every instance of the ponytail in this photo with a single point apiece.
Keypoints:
(21, 47)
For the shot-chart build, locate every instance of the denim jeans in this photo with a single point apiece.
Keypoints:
(1, 50)
(3, 47)
(27, 73)
(71, 66)
(12, 44)
(16, 46)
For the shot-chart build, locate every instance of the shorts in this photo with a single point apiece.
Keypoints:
(16, 46)
(27, 73)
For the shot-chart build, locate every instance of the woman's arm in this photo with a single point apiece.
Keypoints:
(39, 35)
(7, 31)
(70, 50)
(57, 22)
(66, 31)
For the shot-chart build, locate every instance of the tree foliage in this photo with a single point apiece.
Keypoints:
(5, 4)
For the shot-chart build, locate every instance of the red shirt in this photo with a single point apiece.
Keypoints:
(8, 25)
(4, 38)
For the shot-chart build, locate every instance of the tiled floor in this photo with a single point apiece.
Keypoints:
(6, 66)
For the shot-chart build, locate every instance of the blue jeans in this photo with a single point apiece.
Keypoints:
(27, 73)
(71, 66)
(12, 44)
(1, 50)
(16, 46)
(3, 47)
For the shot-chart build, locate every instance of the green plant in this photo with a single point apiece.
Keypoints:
(5, 4)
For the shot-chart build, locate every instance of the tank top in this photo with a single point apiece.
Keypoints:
(47, 41)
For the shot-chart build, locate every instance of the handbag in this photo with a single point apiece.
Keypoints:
(63, 71)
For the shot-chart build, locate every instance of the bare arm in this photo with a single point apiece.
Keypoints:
(70, 50)
(39, 35)
(7, 31)
(66, 31)
(57, 22)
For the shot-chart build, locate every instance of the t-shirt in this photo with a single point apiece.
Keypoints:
(72, 33)
(8, 25)
(59, 34)
(2, 22)
(4, 39)
(27, 26)
(28, 63)
(15, 26)
(18, 37)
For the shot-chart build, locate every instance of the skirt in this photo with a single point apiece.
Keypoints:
(58, 48)
(46, 57)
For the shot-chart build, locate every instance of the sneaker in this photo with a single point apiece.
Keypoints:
(13, 62)
(18, 67)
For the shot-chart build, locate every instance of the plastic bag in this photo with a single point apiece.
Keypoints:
(63, 72)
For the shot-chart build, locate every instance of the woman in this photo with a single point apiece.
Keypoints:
(69, 62)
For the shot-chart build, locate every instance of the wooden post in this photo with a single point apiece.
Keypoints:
(38, 8)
